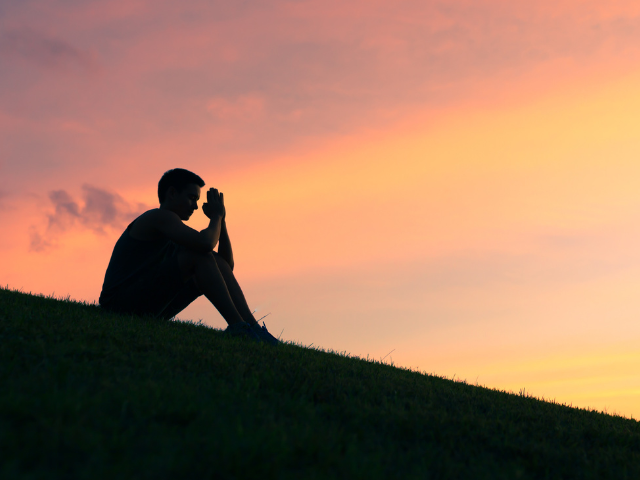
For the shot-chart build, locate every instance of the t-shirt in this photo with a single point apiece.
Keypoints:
(129, 259)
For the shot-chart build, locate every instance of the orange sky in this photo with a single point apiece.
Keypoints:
(456, 182)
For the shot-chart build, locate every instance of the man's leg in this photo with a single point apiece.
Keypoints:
(235, 292)
(211, 283)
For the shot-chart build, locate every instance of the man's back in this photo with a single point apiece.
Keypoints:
(131, 256)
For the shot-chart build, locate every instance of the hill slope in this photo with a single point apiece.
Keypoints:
(86, 394)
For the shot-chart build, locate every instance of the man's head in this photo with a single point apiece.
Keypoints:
(179, 191)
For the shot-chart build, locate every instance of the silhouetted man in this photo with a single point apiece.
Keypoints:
(159, 265)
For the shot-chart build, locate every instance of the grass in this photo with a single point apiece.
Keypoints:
(87, 394)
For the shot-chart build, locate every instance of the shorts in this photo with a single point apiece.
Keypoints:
(158, 290)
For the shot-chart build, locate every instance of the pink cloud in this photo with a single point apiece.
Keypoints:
(207, 82)
(102, 211)
(340, 65)
(45, 51)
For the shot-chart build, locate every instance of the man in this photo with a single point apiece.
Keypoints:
(159, 265)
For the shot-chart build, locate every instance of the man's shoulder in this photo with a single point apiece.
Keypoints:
(158, 215)
(150, 224)
(145, 225)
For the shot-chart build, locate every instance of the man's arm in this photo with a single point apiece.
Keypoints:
(159, 222)
(224, 249)
(214, 210)
(170, 226)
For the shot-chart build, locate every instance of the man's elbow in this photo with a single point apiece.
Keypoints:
(205, 247)
(204, 243)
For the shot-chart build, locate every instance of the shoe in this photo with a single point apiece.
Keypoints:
(242, 330)
(263, 334)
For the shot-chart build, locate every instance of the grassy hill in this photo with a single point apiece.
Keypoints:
(86, 394)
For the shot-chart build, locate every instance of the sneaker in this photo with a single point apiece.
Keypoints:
(242, 330)
(263, 334)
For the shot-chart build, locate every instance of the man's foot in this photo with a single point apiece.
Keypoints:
(263, 334)
(242, 330)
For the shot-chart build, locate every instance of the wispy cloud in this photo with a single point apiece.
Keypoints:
(101, 210)
(45, 51)
(262, 76)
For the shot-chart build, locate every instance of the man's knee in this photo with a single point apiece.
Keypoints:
(222, 263)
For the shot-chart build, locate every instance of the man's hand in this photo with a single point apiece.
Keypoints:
(215, 204)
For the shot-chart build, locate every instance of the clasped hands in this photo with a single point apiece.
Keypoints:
(214, 205)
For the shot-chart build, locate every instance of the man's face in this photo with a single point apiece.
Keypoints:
(184, 202)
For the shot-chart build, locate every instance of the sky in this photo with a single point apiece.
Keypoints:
(451, 186)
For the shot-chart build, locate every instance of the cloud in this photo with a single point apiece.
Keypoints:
(251, 81)
(66, 210)
(102, 210)
(37, 242)
(303, 69)
(45, 51)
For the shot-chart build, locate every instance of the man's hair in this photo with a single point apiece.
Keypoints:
(178, 178)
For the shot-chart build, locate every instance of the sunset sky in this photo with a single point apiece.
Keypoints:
(454, 182)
